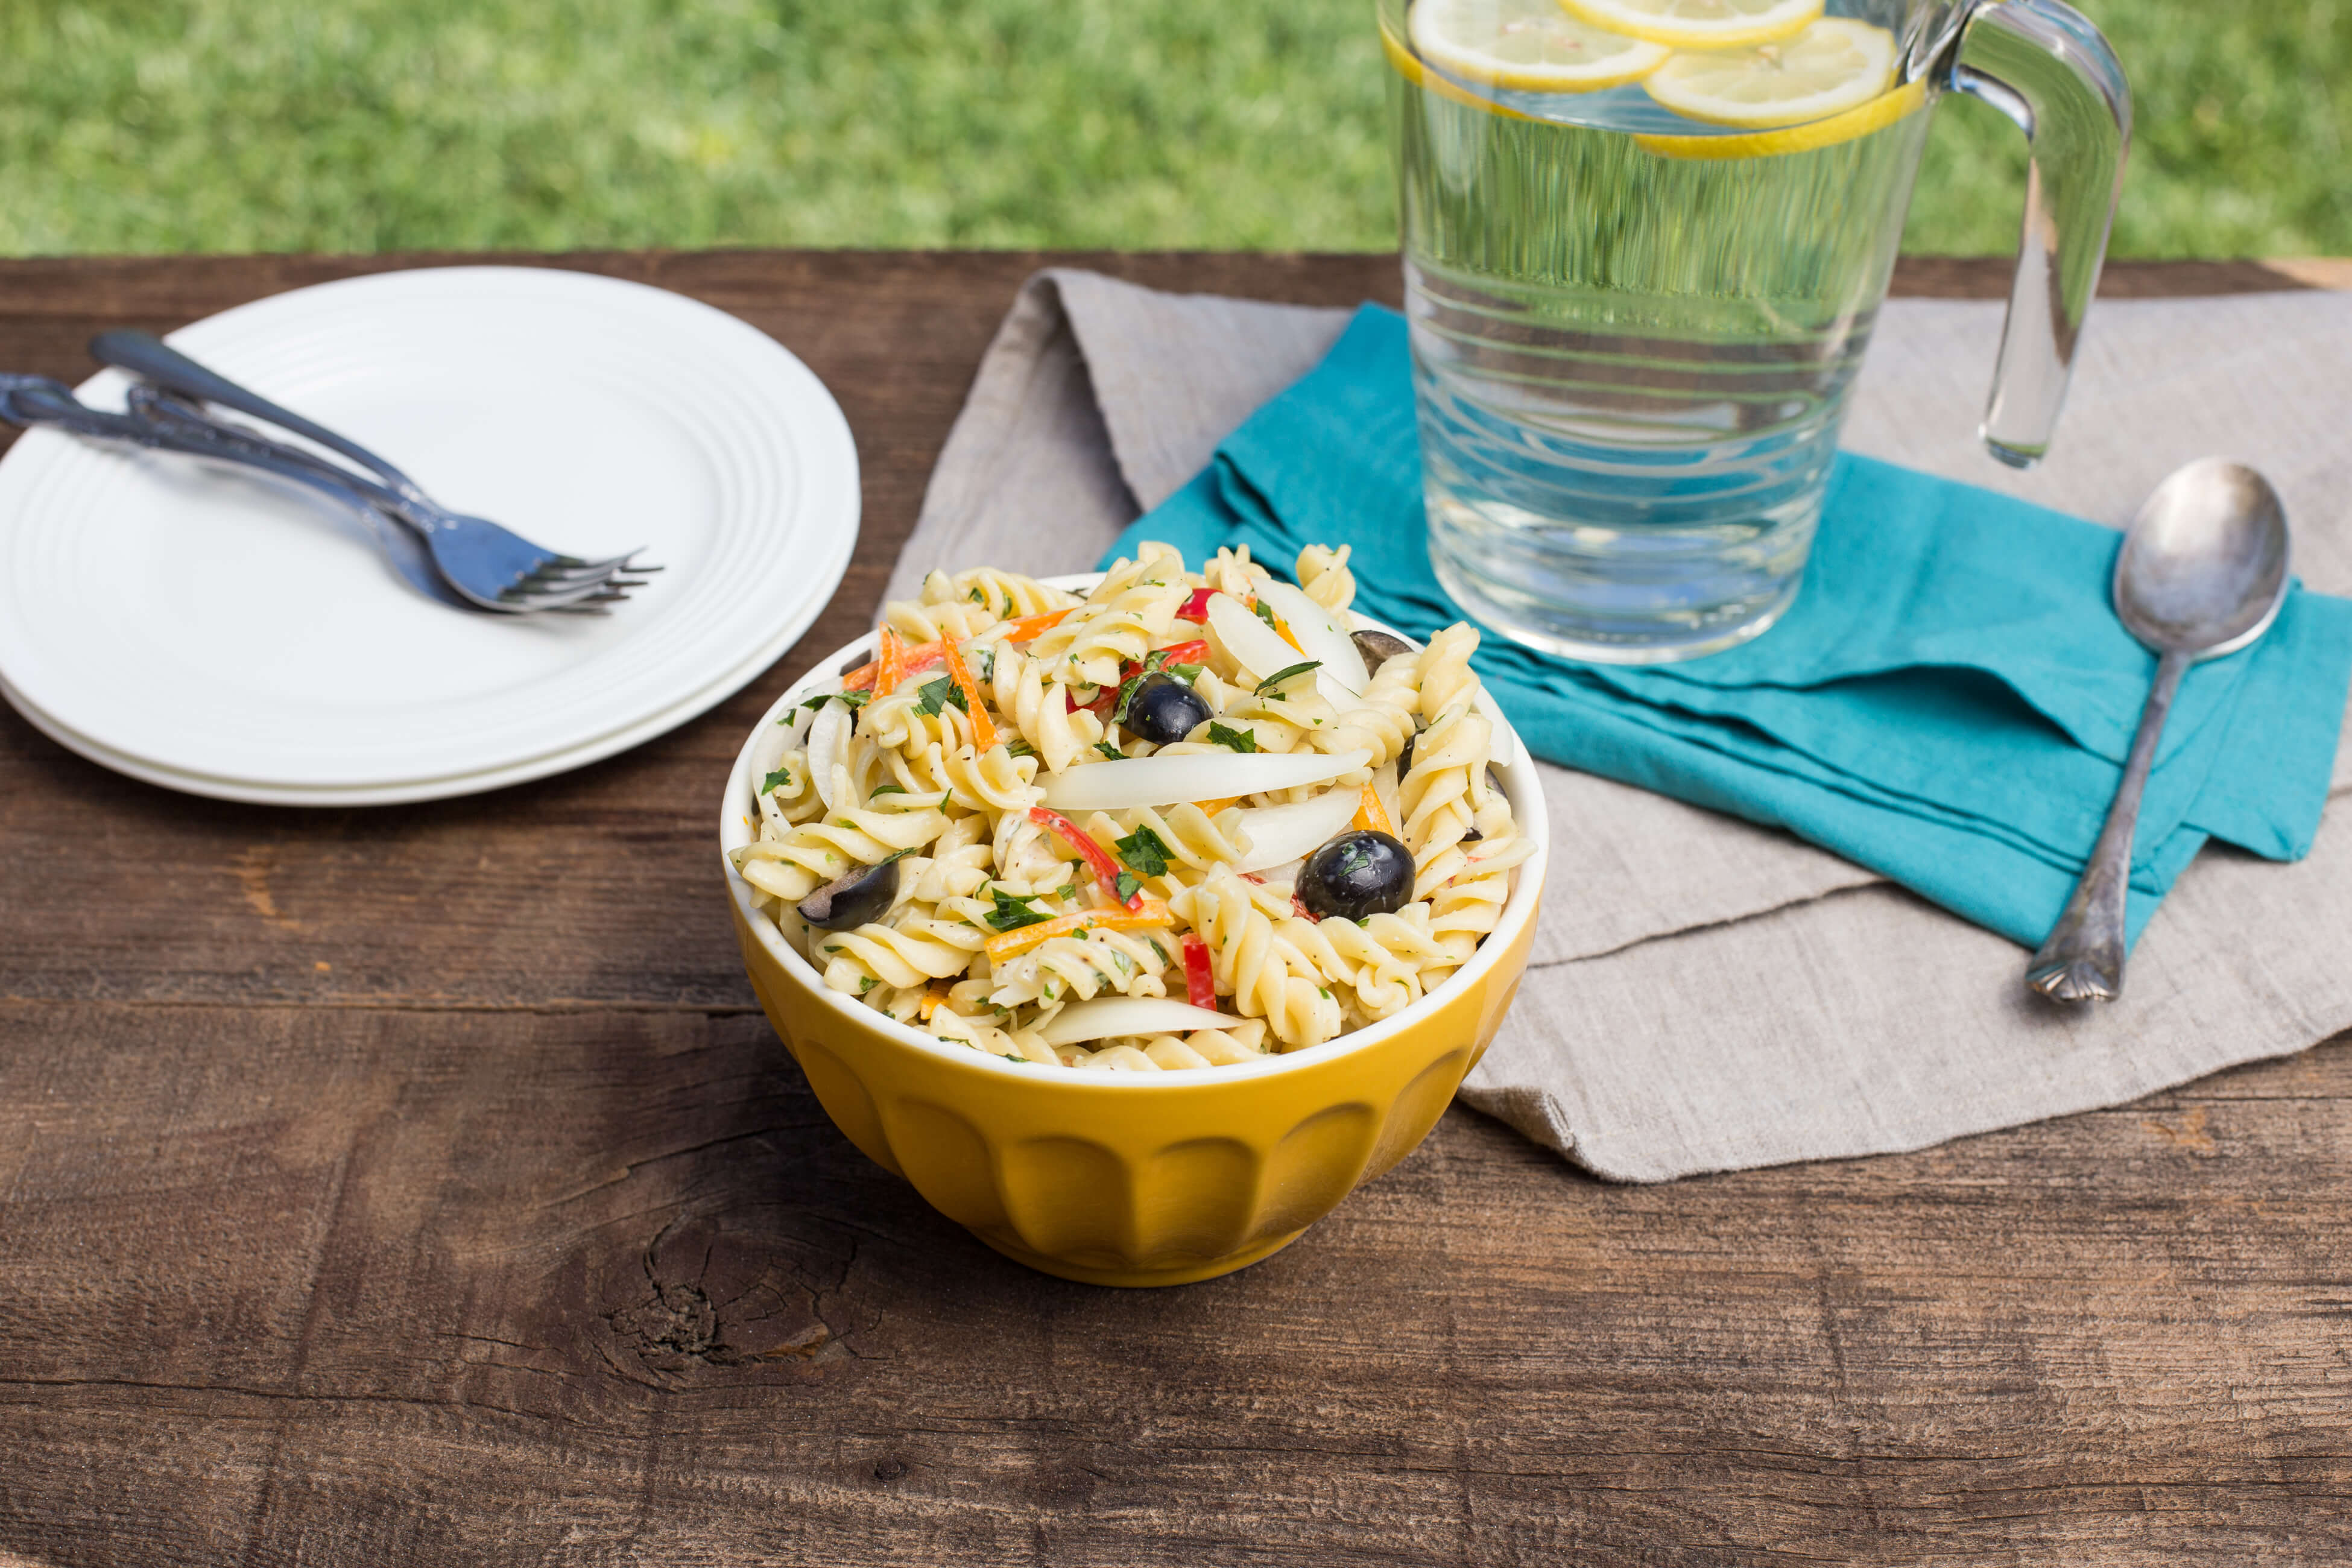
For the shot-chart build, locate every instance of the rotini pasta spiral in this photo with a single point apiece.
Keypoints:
(1041, 710)
(958, 619)
(1382, 961)
(890, 955)
(794, 864)
(1008, 595)
(1265, 976)
(1083, 967)
(1444, 673)
(1122, 620)
(1382, 722)
(1323, 574)
(1449, 764)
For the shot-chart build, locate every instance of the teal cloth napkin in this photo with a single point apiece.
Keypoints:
(1949, 703)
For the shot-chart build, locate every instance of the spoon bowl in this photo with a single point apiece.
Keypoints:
(2204, 567)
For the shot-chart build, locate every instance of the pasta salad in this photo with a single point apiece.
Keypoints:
(1183, 820)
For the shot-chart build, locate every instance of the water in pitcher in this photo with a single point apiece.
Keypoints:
(1633, 336)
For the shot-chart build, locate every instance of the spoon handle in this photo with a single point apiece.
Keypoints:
(2082, 960)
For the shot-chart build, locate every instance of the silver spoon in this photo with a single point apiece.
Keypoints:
(2202, 573)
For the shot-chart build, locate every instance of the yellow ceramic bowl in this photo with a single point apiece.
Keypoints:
(1129, 1178)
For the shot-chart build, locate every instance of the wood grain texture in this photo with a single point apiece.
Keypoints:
(421, 1186)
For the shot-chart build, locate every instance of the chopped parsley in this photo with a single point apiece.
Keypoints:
(1008, 1056)
(781, 779)
(978, 597)
(866, 984)
(937, 694)
(889, 789)
(1154, 663)
(987, 671)
(1011, 913)
(1265, 612)
(1107, 750)
(1019, 746)
(1146, 852)
(849, 699)
(1266, 686)
(1232, 739)
(1126, 886)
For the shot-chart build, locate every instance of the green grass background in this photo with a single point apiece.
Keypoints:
(357, 125)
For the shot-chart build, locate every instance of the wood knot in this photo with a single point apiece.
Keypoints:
(678, 1326)
(889, 1470)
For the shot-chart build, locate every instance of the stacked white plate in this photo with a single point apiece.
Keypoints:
(214, 631)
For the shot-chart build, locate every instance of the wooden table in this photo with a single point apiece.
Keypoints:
(421, 1186)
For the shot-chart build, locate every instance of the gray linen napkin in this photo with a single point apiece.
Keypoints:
(1704, 993)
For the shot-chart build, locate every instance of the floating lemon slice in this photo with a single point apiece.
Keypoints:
(1835, 66)
(1699, 24)
(1529, 46)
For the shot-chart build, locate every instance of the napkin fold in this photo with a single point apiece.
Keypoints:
(1948, 702)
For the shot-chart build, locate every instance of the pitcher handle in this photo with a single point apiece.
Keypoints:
(2046, 68)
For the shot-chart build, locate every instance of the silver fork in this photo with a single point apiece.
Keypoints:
(29, 400)
(492, 565)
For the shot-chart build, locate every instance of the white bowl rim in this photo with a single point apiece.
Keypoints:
(1520, 787)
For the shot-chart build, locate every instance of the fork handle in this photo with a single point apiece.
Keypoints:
(145, 356)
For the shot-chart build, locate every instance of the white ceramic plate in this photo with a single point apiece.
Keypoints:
(213, 631)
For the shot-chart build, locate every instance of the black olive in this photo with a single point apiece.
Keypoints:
(864, 895)
(1162, 709)
(1378, 648)
(1404, 758)
(1355, 875)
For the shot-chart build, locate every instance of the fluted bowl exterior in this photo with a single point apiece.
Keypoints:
(1120, 1178)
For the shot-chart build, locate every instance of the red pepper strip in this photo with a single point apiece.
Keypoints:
(922, 655)
(1194, 652)
(1200, 979)
(1196, 608)
(1106, 869)
(984, 732)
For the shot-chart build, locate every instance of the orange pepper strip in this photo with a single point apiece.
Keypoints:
(983, 729)
(1372, 814)
(1028, 627)
(1013, 944)
(932, 1001)
(1210, 807)
(889, 665)
(1282, 630)
(921, 657)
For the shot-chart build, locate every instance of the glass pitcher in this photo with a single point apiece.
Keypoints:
(1635, 328)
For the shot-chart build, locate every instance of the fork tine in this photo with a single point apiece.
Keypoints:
(561, 576)
(592, 592)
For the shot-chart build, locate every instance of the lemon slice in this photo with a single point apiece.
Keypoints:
(1700, 24)
(1528, 46)
(1835, 65)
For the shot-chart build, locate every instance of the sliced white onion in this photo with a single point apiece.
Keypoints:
(1248, 639)
(1107, 1015)
(828, 747)
(1280, 833)
(1192, 776)
(1321, 636)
